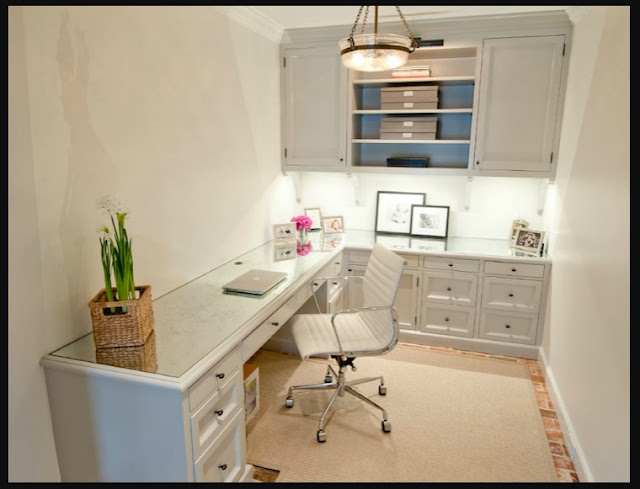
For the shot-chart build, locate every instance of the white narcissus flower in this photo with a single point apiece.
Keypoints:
(111, 205)
(104, 233)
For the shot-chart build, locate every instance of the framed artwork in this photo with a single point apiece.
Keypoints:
(284, 232)
(429, 244)
(517, 224)
(529, 240)
(332, 224)
(285, 251)
(431, 221)
(315, 215)
(393, 211)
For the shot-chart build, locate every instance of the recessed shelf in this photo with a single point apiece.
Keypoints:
(412, 111)
(412, 141)
(434, 79)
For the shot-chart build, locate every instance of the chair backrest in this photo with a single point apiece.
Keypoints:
(382, 277)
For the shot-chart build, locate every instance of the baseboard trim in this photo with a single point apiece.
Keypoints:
(573, 445)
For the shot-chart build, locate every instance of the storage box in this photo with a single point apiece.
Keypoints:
(423, 136)
(251, 390)
(418, 93)
(408, 162)
(409, 124)
(409, 105)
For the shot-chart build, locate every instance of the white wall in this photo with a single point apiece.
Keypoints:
(494, 203)
(174, 110)
(587, 343)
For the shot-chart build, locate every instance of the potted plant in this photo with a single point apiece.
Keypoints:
(122, 316)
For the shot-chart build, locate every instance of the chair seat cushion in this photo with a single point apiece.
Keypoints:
(314, 335)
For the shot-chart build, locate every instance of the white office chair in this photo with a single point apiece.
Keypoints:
(350, 333)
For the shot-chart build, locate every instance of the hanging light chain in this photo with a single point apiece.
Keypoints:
(355, 24)
(364, 19)
(414, 43)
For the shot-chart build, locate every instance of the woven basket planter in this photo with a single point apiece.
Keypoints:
(141, 358)
(131, 328)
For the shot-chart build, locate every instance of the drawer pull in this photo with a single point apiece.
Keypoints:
(219, 412)
(513, 270)
(335, 283)
(450, 264)
(449, 289)
(446, 319)
(507, 326)
(337, 263)
(275, 323)
(315, 284)
(222, 466)
(220, 376)
(510, 295)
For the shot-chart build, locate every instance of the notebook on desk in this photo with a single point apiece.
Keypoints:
(254, 282)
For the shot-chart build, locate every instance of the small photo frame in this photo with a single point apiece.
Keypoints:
(430, 221)
(315, 215)
(332, 224)
(284, 232)
(529, 240)
(393, 211)
(517, 224)
(285, 251)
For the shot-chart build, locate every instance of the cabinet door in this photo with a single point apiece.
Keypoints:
(406, 300)
(314, 107)
(518, 103)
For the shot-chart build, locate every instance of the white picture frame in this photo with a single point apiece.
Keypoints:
(284, 232)
(529, 240)
(332, 225)
(285, 251)
(430, 221)
(315, 215)
(515, 225)
(393, 211)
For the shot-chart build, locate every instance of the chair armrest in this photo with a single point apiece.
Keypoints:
(354, 310)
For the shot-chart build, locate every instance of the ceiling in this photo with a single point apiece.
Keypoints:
(321, 16)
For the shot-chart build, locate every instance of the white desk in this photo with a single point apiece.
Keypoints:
(176, 413)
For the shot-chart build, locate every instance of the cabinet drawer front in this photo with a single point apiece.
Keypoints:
(357, 257)
(267, 329)
(455, 264)
(216, 378)
(514, 269)
(215, 414)
(413, 261)
(510, 327)
(511, 294)
(450, 320)
(223, 461)
(450, 288)
(333, 269)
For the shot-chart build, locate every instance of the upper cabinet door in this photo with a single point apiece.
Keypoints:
(518, 103)
(315, 108)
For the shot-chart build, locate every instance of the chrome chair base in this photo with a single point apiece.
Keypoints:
(340, 386)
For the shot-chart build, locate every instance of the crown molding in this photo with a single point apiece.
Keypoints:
(576, 13)
(254, 20)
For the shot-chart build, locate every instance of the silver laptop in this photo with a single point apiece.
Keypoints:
(254, 282)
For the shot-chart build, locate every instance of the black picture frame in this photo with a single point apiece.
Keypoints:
(430, 221)
(393, 211)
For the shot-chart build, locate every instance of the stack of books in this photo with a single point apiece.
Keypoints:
(411, 72)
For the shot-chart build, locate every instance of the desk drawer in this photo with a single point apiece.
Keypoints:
(413, 261)
(216, 378)
(509, 327)
(208, 422)
(224, 460)
(267, 329)
(357, 257)
(448, 320)
(450, 288)
(514, 269)
(511, 294)
(455, 264)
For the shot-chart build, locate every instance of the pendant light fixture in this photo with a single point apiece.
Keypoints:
(373, 51)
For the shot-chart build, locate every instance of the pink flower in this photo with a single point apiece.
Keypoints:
(302, 222)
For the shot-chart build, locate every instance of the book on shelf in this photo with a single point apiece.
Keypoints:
(410, 73)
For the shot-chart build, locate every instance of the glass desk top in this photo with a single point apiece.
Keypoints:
(194, 319)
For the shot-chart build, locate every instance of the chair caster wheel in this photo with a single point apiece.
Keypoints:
(328, 379)
(382, 390)
(289, 402)
(386, 426)
(321, 436)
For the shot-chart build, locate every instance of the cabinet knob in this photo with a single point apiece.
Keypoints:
(507, 326)
(337, 263)
(341, 159)
(449, 289)
(222, 466)
(477, 162)
(315, 284)
(350, 270)
(446, 319)
(450, 264)
(513, 269)
(335, 283)
(275, 323)
(220, 376)
(219, 412)
(510, 295)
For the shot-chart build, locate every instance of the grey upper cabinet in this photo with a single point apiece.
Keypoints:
(518, 114)
(314, 95)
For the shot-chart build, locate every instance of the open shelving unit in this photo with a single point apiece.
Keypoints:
(454, 71)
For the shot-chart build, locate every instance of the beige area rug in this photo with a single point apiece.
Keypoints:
(454, 419)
